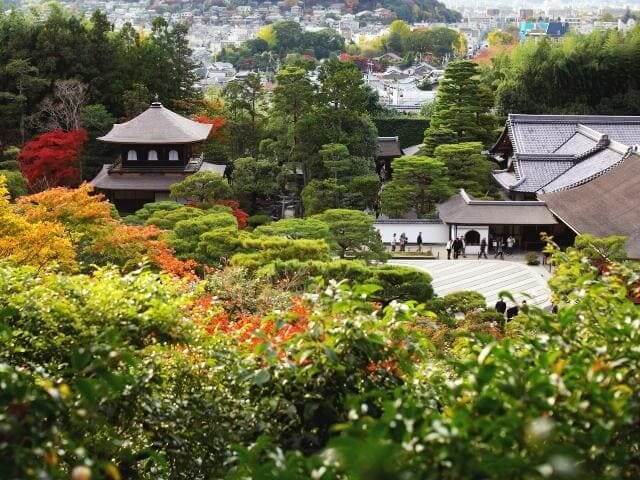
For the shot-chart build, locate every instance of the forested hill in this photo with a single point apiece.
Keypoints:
(409, 10)
(413, 10)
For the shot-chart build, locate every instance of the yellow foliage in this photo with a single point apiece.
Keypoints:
(27, 242)
(267, 34)
(71, 206)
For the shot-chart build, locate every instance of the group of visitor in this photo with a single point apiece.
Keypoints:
(509, 313)
(501, 246)
(498, 245)
(458, 246)
(403, 241)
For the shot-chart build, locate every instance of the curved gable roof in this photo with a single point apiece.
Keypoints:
(158, 125)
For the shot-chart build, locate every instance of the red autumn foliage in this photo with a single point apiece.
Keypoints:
(164, 258)
(487, 54)
(217, 132)
(242, 217)
(252, 330)
(52, 159)
(362, 62)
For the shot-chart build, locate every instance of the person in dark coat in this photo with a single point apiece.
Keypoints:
(483, 249)
(501, 306)
(419, 242)
(457, 246)
(499, 250)
(512, 312)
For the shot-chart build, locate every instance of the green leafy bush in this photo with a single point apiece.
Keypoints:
(142, 215)
(260, 251)
(260, 219)
(185, 236)
(353, 234)
(167, 219)
(15, 183)
(463, 302)
(395, 282)
(559, 401)
(295, 228)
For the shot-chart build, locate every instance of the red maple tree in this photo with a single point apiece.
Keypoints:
(53, 159)
(218, 125)
(242, 217)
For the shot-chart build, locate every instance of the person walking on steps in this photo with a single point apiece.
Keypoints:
(483, 249)
(448, 248)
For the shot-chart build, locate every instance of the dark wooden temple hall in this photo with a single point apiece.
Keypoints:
(157, 149)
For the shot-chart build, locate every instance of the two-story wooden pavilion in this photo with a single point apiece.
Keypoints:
(157, 149)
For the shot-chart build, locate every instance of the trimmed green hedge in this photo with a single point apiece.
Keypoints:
(410, 130)
(397, 282)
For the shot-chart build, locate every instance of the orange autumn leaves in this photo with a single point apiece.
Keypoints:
(62, 228)
(251, 330)
(25, 241)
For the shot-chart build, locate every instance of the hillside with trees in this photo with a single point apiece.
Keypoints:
(409, 10)
(286, 40)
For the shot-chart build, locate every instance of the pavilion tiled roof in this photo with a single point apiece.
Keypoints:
(535, 171)
(158, 125)
(145, 181)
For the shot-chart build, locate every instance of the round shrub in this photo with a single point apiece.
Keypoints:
(532, 258)
(256, 220)
(464, 302)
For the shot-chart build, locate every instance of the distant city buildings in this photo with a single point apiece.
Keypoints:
(214, 27)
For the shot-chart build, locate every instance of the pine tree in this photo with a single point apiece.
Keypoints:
(462, 106)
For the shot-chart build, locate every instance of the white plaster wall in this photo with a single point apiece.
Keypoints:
(437, 233)
(460, 231)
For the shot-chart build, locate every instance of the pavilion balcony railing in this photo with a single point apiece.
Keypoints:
(192, 166)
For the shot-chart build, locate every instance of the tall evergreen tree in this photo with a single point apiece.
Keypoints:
(468, 168)
(418, 184)
(462, 106)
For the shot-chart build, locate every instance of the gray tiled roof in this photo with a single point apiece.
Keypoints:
(547, 133)
(158, 125)
(577, 143)
(627, 134)
(539, 138)
(552, 152)
(535, 173)
(389, 147)
(585, 170)
(505, 178)
(462, 210)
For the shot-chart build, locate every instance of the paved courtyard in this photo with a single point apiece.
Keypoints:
(489, 277)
